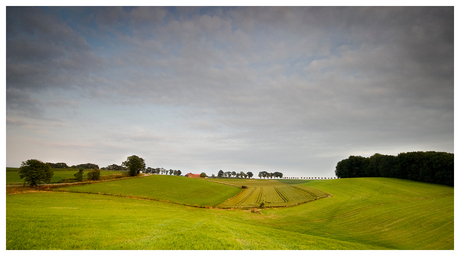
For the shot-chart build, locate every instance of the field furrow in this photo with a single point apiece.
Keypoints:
(281, 195)
(260, 195)
(246, 197)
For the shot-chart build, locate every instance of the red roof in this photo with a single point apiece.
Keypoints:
(191, 175)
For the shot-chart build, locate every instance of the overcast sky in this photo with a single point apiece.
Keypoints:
(288, 89)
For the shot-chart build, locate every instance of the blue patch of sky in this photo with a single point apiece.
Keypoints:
(297, 65)
(340, 38)
(77, 18)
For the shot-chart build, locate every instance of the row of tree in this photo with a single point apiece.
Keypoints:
(270, 175)
(262, 174)
(114, 167)
(431, 167)
(230, 174)
(139, 164)
(162, 171)
(64, 165)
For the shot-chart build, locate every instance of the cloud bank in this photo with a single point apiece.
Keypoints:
(289, 89)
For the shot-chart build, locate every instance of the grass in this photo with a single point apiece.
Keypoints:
(397, 214)
(175, 189)
(363, 213)
(47, 221)
(12, 175)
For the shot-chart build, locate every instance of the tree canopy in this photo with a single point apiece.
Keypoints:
(34, 172)
(134, 164)
(431, 167)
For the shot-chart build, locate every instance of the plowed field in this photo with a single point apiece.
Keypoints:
(270, 193)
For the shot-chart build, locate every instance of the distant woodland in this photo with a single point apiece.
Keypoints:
(431, 167)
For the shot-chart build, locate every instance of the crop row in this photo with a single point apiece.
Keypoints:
(272, 196)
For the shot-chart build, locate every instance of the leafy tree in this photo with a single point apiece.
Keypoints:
(79, 174)
(34, 171)
(220, 174)
(95, 174)
(203, 175)
(134, 164)
(263, 174)
(250, 174)
(233, 173)
(278, 175)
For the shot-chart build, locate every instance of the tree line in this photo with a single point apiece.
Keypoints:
(64, 166)
(270, 175)
(262, 174)
(230, 174)
(35, 172)
(431, 167)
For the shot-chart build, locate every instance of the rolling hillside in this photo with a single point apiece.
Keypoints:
(175, 189)
(362, 213)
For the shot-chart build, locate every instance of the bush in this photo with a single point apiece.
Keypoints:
(95, 174)
(79, 174)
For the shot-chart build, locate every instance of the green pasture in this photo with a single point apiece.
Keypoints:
(175, 189)
(48, 221)
(362, 213)
(392, 213)
(12, 175)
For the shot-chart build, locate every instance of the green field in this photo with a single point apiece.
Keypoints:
(175, 189)
(362, 213)
(12, 175)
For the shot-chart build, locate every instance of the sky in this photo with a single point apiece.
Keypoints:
(203, 89)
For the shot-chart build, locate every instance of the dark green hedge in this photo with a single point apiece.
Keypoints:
(431, 167)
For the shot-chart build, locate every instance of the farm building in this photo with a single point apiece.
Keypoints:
(191, 175)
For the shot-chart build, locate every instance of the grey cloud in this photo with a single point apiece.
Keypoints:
(19, 101)
(259, 84)
(44, 52)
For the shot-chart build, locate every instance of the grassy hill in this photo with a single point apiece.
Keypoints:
(176, 189)
(363, 213)
(393, 213)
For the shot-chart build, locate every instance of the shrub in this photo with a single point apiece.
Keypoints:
(95, 174)
(79, 174)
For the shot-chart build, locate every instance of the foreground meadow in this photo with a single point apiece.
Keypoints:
(362, 213)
